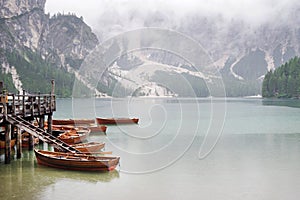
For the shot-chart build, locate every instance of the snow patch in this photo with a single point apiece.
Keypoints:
(270, 61)
(97, 93)
(16, 79)
(153, 90)
(231, 69)
(14, 74)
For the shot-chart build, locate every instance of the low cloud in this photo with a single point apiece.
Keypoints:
(110, 17)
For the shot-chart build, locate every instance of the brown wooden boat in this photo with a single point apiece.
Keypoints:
(93, 128)
(72, 161)
(90, 147)
(117, 120)
(12, 143)
(25, 140)
(74, 136)
(98, 129)
(72, 121)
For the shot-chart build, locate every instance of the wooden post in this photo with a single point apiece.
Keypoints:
(1, 87)
(31, 106)
(7, 143)
(49, 123)
(18, 103)
(52, 86)
(19, 143)
(52, 95)
(23, 104)
(30, 142)
(39, 104)
(14, 105)
(42, 125)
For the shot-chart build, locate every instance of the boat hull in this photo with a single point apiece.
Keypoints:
(93, 128)
(76, 162)
(74, 136)
(12, 143)
(98, 129)
(72, 121)
(25, 140)
(117, 120)
(89, 147)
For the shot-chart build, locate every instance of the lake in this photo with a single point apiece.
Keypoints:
(182, 148)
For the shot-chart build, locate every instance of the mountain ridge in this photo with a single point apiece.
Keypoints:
(31, 37)
(242, 52)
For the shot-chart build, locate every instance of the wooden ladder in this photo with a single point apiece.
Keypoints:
(41, 134)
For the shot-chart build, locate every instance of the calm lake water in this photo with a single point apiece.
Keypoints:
(181, 149)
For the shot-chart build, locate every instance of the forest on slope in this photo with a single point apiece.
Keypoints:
(283, 82)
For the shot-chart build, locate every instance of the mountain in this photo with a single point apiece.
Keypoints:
(242, 51)
(36, 48)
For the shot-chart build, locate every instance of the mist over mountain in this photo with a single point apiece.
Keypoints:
(245, 40)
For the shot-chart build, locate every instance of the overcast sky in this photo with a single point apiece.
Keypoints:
(94, 12)
(251, 10)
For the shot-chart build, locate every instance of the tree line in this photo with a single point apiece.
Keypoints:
(283, 82)
(36, 74)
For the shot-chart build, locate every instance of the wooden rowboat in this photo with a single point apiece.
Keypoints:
(12, 143)
(89, 147)
(117, 120)
(25, 140)
(93, 128)
(74, 136)
(72, 121)
(98, 129)
(72, 161)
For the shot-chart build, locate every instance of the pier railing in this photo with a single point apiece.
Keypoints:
(26, 105)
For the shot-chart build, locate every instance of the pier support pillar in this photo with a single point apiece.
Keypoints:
(50, 123)
(19, 143)
(42, 125)
(7, 143)
(30, 142)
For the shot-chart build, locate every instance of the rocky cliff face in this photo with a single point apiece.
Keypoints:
(59, 39)
(71, 38)
(11, 8)
(62, 40)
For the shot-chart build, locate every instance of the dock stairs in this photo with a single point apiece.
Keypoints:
(40, 133)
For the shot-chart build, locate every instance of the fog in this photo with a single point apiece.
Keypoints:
(110, 17)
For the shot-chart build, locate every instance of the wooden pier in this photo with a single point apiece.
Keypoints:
(17, 113)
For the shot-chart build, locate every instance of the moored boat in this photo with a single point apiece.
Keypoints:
(72, 161)
(74, 136)
(98, 129)
(117, 120)
(25, 140)
(93, 128)
(90, 147)
(72, 121)
(12, 143)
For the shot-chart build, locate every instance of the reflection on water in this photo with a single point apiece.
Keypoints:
(249, 162)
(24, 179)
(295, 103)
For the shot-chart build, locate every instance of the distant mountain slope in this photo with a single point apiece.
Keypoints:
(37, 48)
(242, 51)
